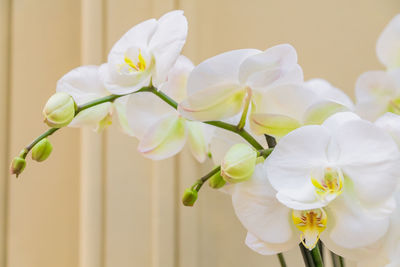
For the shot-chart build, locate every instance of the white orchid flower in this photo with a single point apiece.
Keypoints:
(162, 131)
(388, 45)
(145, 54)
(348, 167)
(84, 85)
(222, 86)
(378, 92)
(390, 123)
(287, 107)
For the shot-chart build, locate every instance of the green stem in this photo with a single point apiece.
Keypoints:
(316, 255)
(281, 260)
(307, 258)
(199, 183)
(40, 137)
(337, 260)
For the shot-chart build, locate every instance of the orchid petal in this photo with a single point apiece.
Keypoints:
(352, 225)
(167, 42)
(91, 116)
(388, 44)
(213, 103)
(83, 84)
(272, 124)
(265, 248)
(197, 141)
(164, 139)
(326, 91)
(120, 105)
(218, 70)
(175, 86)
(390, 123)
(320, 111)
(370, 158)
(269, 67)
(145, 109)
(260, 212)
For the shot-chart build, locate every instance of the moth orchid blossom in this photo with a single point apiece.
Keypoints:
(145, 54)
(287, 107)
(225, 85)
(162, 131)
(346, 166)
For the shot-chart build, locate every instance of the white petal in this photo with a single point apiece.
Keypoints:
(121, 105)
(388, 45)
(144, 110)
(213, 103)
(138, 36)
(220, 143)
(83, 84)
(197, 141)
(164, 139)
(370, 159)
(290, 166)
(273, 64)
(390, 123)
(260, 212)
(336, 120)
(175, 86)
(326, 91)
(167, 42)
(120, 83)
(265, 248)
(374, 91)
(91, 116)
(218, 70)
(291, 100)
(352, 225)
(272, 124)
(321, 110)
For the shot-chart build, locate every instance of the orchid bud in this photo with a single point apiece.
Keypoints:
(17, 165)
(42, 150)
(59, 110)
(216, 181)
(189, 197)
(239, 163)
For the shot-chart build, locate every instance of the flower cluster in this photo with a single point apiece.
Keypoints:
(300, 160)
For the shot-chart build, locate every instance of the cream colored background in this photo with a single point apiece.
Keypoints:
(96, 202)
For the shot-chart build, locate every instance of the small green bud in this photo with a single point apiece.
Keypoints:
(42, 150)
(59, 110)
(216, 181)
(17, 166)
(189, 197)
(239, 163)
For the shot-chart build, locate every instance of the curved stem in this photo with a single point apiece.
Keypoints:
(199, 183)
(281, 260)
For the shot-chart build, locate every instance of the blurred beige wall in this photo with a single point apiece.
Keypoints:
(96, 202)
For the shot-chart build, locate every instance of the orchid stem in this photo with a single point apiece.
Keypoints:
(199, 183)
(316, 255)
(307, 258)
(337, 261)
(282, 260)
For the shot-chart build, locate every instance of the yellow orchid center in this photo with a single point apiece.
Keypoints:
(394, 106)
(140, 64)
(329, 185)
(311, 223)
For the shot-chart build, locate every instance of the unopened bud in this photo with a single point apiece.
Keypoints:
(59, 110)
(239, 163)
(216, 181)
(17, 165)
(189, 197)
(42, 150)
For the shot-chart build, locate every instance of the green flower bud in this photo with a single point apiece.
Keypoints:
(42, 150)
(189, 197)
(239, 163)
(59, 110)
(17, 165)
(216, 181)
